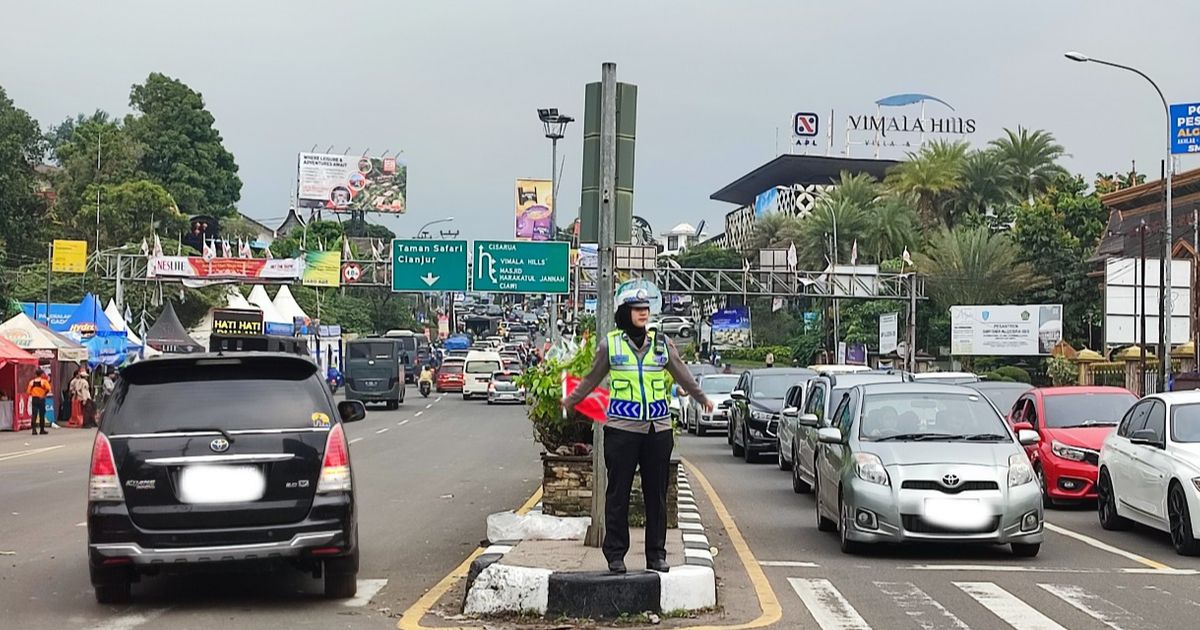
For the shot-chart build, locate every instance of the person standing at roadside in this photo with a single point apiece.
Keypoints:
(81, 396)
(38, 390)
(770, 359)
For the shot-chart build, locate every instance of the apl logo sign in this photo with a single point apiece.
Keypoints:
(805, 125)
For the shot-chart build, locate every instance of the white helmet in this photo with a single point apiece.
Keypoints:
(634, 297)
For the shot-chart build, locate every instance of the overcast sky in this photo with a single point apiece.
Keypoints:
(455, 85)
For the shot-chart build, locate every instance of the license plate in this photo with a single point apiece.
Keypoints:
(221, 484)
(960, 514)
(371, 382)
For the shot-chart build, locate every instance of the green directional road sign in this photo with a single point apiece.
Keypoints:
(521, 267)
(424, 265)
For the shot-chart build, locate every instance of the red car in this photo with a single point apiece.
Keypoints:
(449, 377)
(1072, 422)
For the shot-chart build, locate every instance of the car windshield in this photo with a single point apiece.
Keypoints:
(921, 416)
(452, 368)
(372, 350)
(1185, 423)
(483, 367)
(503, 377)
(1086, 410)
(1004, 397)
(773, 385)
(718, 384)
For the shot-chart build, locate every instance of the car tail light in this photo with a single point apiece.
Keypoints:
(335, 469)
(103, 484)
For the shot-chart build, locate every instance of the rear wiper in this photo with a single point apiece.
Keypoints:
(986, 437)
(916, 437)
(223, 432)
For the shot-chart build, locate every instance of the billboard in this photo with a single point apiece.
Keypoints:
(346, 182)
(237, 322)
(69, 257)
(195, 271)
(889, 334)
(535, 210)
(731, 328)
(1005, 330)
(322, 269)
(1123, 307)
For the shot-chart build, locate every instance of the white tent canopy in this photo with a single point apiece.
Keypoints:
(118, 323)
(286, 304)
(259, 299)
(234, 299)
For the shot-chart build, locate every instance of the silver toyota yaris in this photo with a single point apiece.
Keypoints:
(921, 462)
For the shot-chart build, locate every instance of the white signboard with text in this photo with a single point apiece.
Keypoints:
(1005, 330)
(889, 334)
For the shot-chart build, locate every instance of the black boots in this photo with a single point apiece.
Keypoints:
(660, 566)
(616, 566)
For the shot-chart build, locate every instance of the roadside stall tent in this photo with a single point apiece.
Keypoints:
(90, 326)
(135, 347)
(168, 335)
(274, 323)
(57, 355)
(287, 307)
(16, 369)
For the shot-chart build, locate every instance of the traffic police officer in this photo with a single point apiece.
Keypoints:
(638, 432)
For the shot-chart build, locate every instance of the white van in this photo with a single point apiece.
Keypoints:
(478, 370)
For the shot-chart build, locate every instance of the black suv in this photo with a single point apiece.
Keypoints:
(755, 404)
(220, 459)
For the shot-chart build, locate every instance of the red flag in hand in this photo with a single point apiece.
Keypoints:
(596, 403)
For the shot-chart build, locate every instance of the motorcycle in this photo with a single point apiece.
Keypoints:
(333, 384)
(425, 387)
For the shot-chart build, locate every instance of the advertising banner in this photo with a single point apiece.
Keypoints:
(348, 182)
(224, 269)
(534, 210)
(1185, 128)
(889, 333)
(237, 322)
(322, 269)
(856, 354)
(59, 313)
(731, 328)
(1012, 330)
(69, 257)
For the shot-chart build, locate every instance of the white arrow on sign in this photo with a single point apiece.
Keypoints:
(429, 279)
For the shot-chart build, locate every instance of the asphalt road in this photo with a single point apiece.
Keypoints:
(427, 476)
(1120, 580)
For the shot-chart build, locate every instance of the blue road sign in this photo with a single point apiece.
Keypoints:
(1185, 128)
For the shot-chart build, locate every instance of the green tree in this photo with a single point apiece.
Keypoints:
(182, 150)
(374, 230)
(1032, 158)
(818, 225)
(986, 189)
(312, 237)
(890, 228)
(972, 265)
(1112, 182)
(129, 212)
(75, 144)
(931, 176)
(22, 208)
(859, 189)
(774, 230)
(709, 257)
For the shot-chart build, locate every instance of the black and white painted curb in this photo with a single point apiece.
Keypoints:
(494, 587)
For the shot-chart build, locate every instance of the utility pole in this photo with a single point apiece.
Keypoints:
(911, 350)
(605, 304)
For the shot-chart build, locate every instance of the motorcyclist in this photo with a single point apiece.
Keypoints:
(426, 375)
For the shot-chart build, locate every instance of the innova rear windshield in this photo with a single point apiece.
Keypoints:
(226, 394)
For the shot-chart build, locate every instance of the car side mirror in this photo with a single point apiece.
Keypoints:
(1022, 426)
(725, 404)
(737, 394)
(1145, 436)
(829, 435)
(789, 412)
(1028, 437)
(352, 410)
(809, 420)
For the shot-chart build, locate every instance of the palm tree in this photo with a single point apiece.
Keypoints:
(774, 230)
(891, 227)
(816, 232)
(859, 189)
(973, 265)
(931, 176)
(1032, 157)
(986, 186)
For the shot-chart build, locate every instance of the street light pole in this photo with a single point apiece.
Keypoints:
(434, 222)
(555, 127)
(1164, 320)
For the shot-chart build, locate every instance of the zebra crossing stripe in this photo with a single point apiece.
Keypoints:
(1007, 607)
(922, 609)
(828, 608)
(1097, 607)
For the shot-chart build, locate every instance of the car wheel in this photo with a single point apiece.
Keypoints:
(1181, 522)
(823, 524)
(748, 453)
(393, 405)
(466, 396)
(848, 546)
(1026, 550)
(112, 585)
(340, 584)
(738, 450)
(684, 332)
(799, 486)
(729, 431)
(700, 431)
(1047, 502)
(1106, 504)
(779, 460)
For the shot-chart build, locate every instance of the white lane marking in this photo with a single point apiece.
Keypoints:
(356, 440)
(82, 524)
(1145, 571)
(402, 423)
(1007, 607)
(920, 607)
(18, 454)
(1005, 568)
(429, 405)
(130, 621)
(1088, 540)
(439, 399)
(782, 563)
(383, 430)
(828, 608)
(366, 590)
(418, 414)
(1097, 607)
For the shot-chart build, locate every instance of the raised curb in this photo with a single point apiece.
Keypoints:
(494, 587)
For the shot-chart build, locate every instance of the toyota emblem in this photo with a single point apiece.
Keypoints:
(950, 480)
(219, 445)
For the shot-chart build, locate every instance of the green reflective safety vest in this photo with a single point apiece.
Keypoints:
(637, 388)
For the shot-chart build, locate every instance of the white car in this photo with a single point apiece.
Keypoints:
(1150, 469)
(672, 325)
(477, 372)
(503, 388)
(717, 388)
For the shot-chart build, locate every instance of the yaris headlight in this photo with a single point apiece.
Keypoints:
(868, 467)
(1019, 471)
